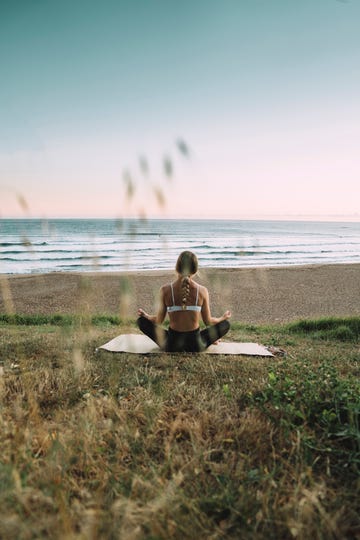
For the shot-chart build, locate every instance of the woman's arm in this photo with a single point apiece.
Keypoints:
(161, 314)
(206, 312)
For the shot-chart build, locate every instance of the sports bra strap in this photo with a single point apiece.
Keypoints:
(180, 308)
(172, 294)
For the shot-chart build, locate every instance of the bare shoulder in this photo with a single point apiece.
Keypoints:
(164, 289)
(204, 293)
(203, 289)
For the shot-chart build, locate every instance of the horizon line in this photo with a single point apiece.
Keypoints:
(354, 218)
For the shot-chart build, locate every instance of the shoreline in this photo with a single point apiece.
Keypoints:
(257, 295)
(168, 271)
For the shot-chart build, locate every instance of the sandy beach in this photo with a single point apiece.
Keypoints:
(254, 295)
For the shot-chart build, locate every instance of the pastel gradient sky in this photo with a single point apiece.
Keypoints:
(264, 92)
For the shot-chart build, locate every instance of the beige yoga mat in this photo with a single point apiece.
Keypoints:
(141, 344)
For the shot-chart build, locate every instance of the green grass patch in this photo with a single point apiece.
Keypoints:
(58, 320)
(340, 329)
(322, 406)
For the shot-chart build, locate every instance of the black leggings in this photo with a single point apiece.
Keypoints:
(173, 341)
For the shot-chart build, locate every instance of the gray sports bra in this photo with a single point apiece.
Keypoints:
(172, 308)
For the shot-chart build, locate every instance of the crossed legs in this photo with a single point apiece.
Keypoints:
(173, 341)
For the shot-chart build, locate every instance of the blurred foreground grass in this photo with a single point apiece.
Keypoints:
(96, 445)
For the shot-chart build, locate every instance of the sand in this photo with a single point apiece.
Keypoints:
(254, 295)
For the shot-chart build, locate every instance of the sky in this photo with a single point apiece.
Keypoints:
(95, 96)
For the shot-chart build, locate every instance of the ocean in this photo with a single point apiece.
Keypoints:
(109, 245)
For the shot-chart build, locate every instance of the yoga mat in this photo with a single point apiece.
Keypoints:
(141, 344)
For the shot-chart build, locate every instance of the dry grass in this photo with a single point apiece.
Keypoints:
(174, 446)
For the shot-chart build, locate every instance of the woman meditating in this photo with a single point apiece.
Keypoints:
(184, 301)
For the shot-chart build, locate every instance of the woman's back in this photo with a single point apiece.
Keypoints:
(183, 302)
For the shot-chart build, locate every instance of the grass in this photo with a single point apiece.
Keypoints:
(96, 445)
(58, 320)
(341, 329)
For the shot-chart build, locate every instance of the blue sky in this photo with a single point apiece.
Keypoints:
(264, 92)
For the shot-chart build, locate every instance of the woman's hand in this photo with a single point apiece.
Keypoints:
(143, 313)
(156, 319)
(226, 315)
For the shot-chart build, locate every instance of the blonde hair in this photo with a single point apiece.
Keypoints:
(186, 265)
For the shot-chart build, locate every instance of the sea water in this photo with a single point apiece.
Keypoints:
(80, 245)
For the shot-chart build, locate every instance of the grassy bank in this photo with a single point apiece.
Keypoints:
(96, 445)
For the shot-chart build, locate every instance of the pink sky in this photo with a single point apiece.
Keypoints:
(265, 93)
